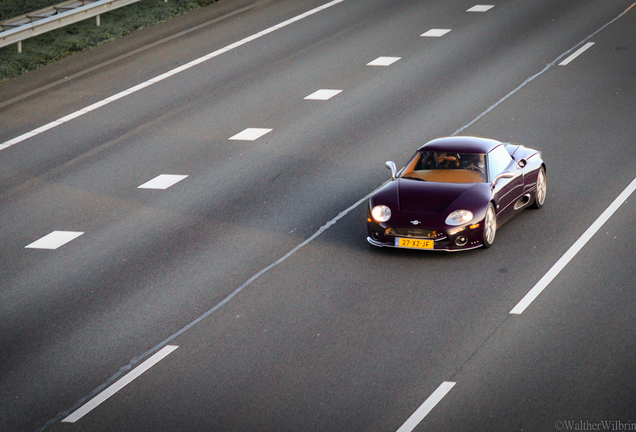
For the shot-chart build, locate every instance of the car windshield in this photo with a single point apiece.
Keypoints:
(446, 167)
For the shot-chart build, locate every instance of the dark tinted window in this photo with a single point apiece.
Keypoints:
(446, 167)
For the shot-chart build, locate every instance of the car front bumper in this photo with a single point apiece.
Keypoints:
(465, 239)
(437, 247)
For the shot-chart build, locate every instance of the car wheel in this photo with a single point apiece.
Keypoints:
(542, 189)
(490, 226)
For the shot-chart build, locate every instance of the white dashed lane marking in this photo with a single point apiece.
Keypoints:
(163, 181)
(383, 61)
(250, 134)
(576, 54)
(427, 406)
(323, 94)
(123, 382)
(168, 74)
(480, 8)
(54, 240)
(435, 33)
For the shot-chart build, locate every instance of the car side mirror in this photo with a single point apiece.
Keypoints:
(500, 176)
(393, 169)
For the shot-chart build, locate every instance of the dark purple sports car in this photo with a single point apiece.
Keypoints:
(454, 193)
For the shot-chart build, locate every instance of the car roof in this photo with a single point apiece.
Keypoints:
(461, 144)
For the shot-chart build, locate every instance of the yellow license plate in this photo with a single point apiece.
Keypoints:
(414, 243)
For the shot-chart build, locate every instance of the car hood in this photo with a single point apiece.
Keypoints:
(428, 197)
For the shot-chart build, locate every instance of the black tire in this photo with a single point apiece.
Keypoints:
(541, 191)
(490, 226)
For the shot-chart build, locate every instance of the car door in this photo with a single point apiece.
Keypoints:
(507, 190)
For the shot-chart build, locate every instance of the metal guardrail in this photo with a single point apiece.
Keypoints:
(17, 29)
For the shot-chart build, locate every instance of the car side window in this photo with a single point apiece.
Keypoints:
(498, 161)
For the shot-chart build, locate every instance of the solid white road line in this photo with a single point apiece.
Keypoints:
(54, 240)
(435, 33)
(124, 381)
(576, 53)
(127, 55)
(163, 76)
(574, 249)
(163, 181)
(426, 407)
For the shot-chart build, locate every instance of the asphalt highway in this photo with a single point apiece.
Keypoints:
(183, 242)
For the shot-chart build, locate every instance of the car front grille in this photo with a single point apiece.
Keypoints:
(414, 233)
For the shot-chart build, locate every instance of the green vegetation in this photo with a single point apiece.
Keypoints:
(64, 42)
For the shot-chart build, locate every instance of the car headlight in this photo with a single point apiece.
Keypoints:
(459, 217)
(381, 213)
